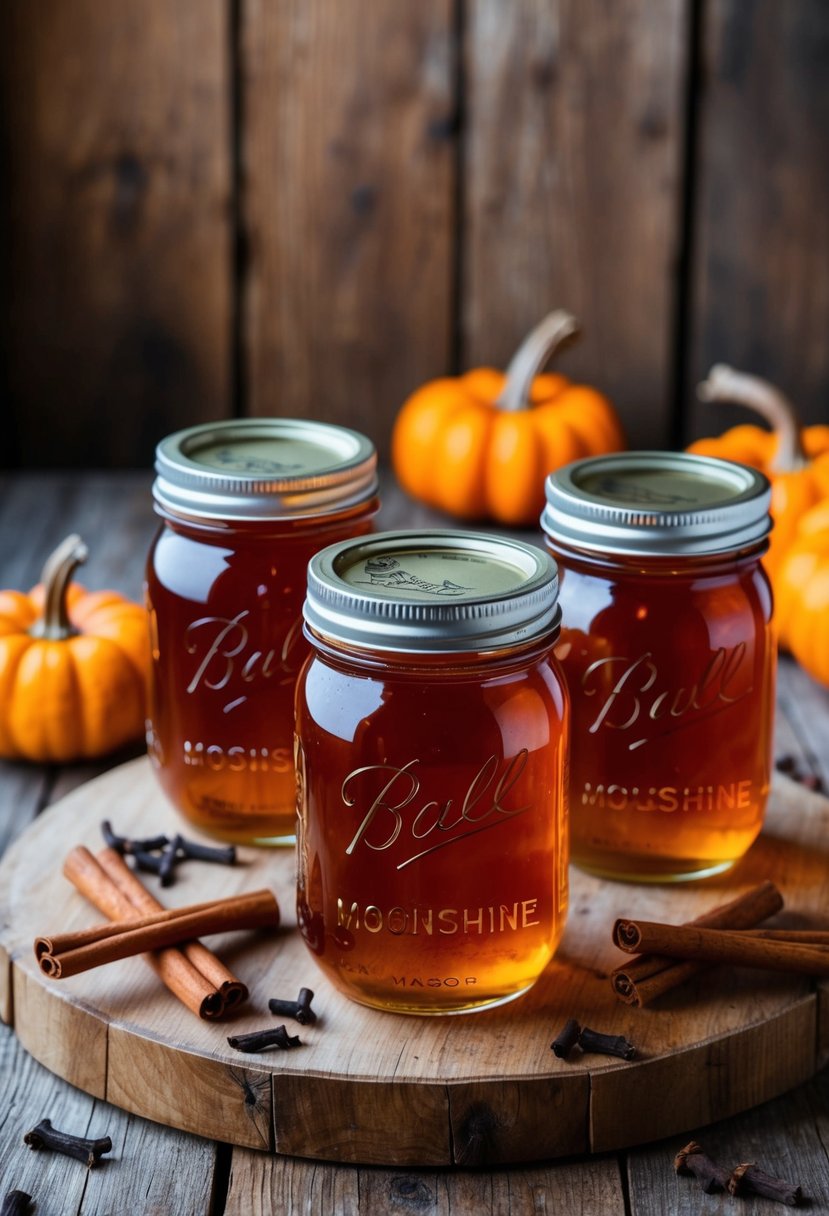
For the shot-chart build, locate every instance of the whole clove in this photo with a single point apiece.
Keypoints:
(48, 1137)
(205, 852)
(163, 864)
(595, 1043)
(16, 1203)
(261, 1040)
(167, 866)
(749, 1179)
(693, 1160)
(123, 845)
(300, 1009)
(148, 863)
(566, 1039)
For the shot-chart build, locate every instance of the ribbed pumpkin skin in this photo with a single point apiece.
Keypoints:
(792, 494)
(455, 449)
(799, 481)
(802, 594)
(77, 697)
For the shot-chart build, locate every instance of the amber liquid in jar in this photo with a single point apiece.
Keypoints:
(432, 825)
(225, 607)
(245, 503)
(669, 654)
(431, 740)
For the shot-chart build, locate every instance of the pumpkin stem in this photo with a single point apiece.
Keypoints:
(726, 384)
(54, 624)
(539, 346)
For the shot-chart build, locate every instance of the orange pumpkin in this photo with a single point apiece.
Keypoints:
(480, 445)
(802, 594)
(795, 460)
(73, 666)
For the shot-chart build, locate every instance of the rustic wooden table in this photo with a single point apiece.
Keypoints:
(157, 1170)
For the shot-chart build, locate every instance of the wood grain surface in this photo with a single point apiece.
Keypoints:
(348, 153)
(157, 1170)
(118, 293)
(222, 207)
(572, 171)
(762, 225)
(128, 1181)
(480, 1090)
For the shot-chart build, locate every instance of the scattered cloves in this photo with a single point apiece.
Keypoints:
(748, 1179)
(300, 1009)
(693, 1160)
(593, 1042)
(566, 1039)
(123, 845)
(16, 1203)
(745, 1179)
(160, 855)
(260, 1040)
(48, 1137)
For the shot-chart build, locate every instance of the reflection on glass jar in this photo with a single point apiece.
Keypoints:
(670, 658)
(431, 740)
(244, 505)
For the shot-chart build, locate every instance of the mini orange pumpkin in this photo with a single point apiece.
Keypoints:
(795, 460)
(802, 594)
(480, 445)
(73, 666)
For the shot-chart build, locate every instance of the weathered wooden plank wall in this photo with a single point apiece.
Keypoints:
(572, 186)
(118, 226)
(347, 200)
(304, 207)
(762, 257)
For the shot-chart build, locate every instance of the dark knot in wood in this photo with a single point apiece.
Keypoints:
(411, 1193)
(477, 1140)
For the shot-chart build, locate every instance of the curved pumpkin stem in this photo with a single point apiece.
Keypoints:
(539, 346)
(726, 384)
(54, 624)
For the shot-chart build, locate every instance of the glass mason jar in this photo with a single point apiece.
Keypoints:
(670, 659)
(244, 504)
(431, 742)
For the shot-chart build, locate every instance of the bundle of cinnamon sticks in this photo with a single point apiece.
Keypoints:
(166, 937)
(672, 954)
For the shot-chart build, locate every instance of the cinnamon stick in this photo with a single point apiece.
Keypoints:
(174, 968)
(231, 991)
(644, 979)
(720, 946)
(68, 954)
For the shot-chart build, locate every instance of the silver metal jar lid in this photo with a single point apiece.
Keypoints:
(657, 503)
(432, 591)
(263, 468)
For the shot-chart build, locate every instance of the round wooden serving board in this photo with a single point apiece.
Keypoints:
(381, 1088)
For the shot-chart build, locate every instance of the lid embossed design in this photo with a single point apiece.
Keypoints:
(432, 591)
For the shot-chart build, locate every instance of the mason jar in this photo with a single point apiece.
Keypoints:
(431, 745)
(670, 658)
(244, 505)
